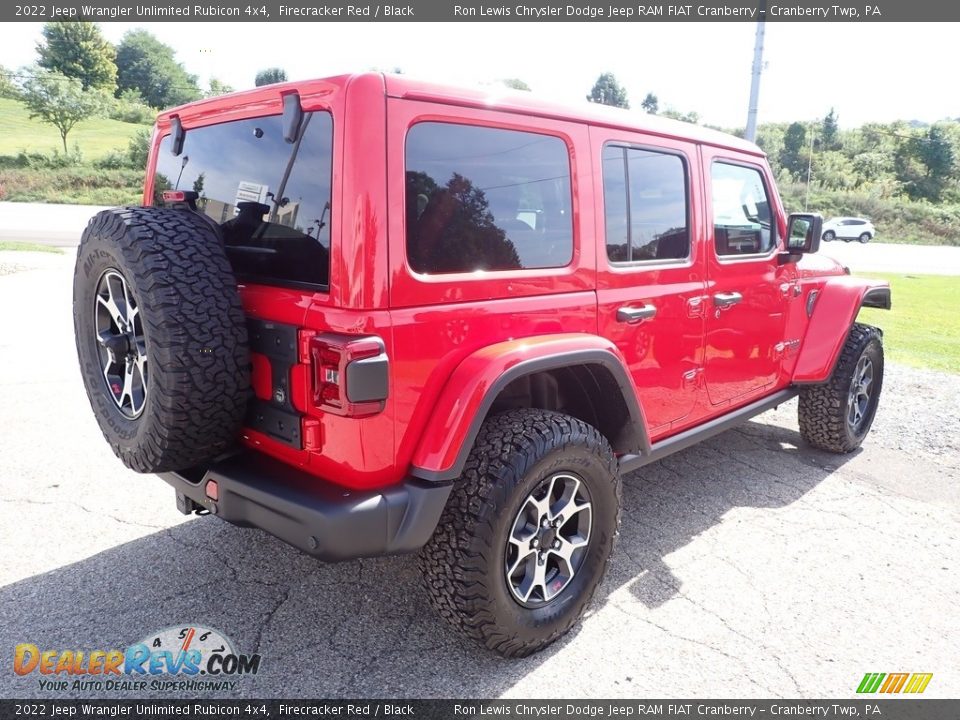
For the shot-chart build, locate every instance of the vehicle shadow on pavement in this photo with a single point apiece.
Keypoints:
(364, 628)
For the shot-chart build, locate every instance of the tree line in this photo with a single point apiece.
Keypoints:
(79, 74)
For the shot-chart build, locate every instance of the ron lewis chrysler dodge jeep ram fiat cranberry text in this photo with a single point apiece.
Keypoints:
(371, 315)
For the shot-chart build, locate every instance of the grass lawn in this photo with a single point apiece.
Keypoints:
(28, 247)
(96, 136)
(923, 328)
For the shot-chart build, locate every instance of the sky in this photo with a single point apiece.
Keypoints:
(867, 72)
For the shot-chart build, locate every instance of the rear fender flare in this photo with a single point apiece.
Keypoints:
(833, 312)
(477, 381)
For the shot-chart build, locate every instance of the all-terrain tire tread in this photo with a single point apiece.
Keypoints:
(452, 561)
(195, 328)
(822, 408)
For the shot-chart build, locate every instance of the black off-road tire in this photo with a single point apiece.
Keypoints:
(823, 408)
(193, 328)
(463, 564)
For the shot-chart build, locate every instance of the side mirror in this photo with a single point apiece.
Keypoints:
(803, 233)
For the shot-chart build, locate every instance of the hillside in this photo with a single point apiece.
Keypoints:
(95, 137)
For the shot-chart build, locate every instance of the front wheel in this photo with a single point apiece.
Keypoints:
(527, 533)
(837, 415)
(829, 236)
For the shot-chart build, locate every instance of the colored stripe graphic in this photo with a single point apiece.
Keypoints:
(870, 682)
(918, 682)
(894, 683)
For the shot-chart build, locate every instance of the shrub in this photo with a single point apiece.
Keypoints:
(139, 149)
(113, 160)
(130, 107)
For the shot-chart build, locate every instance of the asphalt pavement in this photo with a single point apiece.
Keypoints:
(748, 566)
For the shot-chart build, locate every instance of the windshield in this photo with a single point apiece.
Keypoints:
(270, 198)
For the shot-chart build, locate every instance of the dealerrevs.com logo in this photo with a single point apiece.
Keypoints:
(185, 658)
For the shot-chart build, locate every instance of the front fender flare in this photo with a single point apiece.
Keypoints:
(477, 381)
(834, 311)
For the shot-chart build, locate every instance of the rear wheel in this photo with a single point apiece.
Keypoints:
(864, 238)
(527, 533)
(837, 415)
(161, 337)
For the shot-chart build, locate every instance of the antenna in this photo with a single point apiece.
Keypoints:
(751, 132)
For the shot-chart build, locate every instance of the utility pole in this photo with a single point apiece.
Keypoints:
(806, 199)
(751, 133)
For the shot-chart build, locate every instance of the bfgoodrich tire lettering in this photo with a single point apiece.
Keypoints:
(828, 420)
(464, 563)
(193, 330)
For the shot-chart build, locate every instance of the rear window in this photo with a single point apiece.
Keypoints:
(270, 198)
(481, 198)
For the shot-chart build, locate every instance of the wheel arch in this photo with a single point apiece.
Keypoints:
(833, 311)
(581, 367)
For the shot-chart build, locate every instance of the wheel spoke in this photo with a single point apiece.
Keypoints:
(524, 555)
(111, 307)
(532, 581)
(567, 506)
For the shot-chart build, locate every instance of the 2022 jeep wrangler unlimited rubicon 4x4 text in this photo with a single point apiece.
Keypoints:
(371, 316)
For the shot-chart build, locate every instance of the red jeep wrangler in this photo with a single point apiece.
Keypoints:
(370, 315)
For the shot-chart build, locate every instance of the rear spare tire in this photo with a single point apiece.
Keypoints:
(161, 337)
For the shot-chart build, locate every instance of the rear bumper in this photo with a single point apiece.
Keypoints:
(324, 520)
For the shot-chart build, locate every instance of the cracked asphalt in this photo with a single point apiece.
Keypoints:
(749, 566)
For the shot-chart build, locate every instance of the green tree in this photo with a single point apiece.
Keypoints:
(270, 76)
(690, 117)
(925, 164)
(792, 156)
(8, 89)
(150, 67)
(516, 84)
(607, 91)
(218, 87)
(830, 131)
(651, 103)
(60, 100)
(78, 50)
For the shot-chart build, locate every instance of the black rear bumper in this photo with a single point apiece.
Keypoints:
(324, 520)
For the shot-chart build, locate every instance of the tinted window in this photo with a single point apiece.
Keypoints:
(645, 205)
(486, 199)
(270, 198)
(741, 211)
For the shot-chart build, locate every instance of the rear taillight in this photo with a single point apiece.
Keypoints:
(350, 374)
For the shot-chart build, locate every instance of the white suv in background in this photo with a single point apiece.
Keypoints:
(847, 229)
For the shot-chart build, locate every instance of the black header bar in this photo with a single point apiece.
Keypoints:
(844, 11)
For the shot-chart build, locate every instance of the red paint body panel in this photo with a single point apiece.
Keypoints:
(836, 307)
(463, 395)
(449, 337)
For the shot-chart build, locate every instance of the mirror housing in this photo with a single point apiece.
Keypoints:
(292, 116)
(803, 233)
(177, 135)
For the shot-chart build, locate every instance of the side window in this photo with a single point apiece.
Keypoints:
(645, 205)
(480, 198)
(741, 211)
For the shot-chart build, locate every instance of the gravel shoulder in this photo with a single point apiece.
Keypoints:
(748, 566)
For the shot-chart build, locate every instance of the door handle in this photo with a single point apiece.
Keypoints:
(727, 299)
(630, 314)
